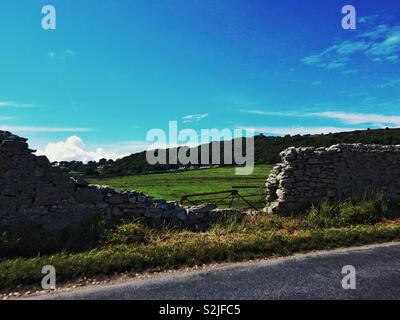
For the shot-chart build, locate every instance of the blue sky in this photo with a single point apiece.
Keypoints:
(112, 70)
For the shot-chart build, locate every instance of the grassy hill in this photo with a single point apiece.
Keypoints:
(267, 148)
(266, 152)
(171, 186)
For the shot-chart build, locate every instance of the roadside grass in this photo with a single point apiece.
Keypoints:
(171, 186)
(135, 247)
(24, 240)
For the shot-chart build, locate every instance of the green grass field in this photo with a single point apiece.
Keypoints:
(171, 186)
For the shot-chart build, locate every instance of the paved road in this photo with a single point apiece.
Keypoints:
(309, 276)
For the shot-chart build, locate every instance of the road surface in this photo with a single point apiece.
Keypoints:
(308, 276)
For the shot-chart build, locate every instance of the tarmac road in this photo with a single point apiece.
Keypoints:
(308, 276)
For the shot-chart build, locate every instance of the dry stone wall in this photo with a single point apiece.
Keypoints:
(33, 191)
(312, 175)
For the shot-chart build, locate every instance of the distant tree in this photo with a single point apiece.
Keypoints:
(266, 151)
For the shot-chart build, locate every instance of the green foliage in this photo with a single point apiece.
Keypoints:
(25, 239)
(134, 232)
(347, 213)
(266, 150)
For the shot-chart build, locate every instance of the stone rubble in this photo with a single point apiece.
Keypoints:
(33, 191)
(344, 171)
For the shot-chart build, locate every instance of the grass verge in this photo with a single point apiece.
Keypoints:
(135, 247)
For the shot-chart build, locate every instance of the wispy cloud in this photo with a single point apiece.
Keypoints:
(394, 83)
(360, 118)
(349, 118)
(194, 117)
(31, 129)
(13, 104)
(62, 54)
(350, 71)
(125, 147)
(381, 43)
(272, 113)
(368, 19)
(6, 118)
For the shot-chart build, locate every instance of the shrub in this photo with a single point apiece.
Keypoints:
(127, 233)
(348, 213)
(25, 239)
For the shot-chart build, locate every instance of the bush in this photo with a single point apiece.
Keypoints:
(24, 239)
(348, 213)
(126, 233)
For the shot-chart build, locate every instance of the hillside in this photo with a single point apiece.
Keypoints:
(267, 149)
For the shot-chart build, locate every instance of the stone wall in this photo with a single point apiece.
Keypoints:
(33, 191)
(343, 171)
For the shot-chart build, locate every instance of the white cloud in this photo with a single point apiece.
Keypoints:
(271, 113)
(386, 48)
(368, 19)
(379, 44)
(125, 147)
(394, 83)
(378, 120)
(360, 118)
(349, 47)
(62, 54)
(14, 104)
(70, 52)
(24, 129)
(73, 148)
(194, 117)
(350, 71)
